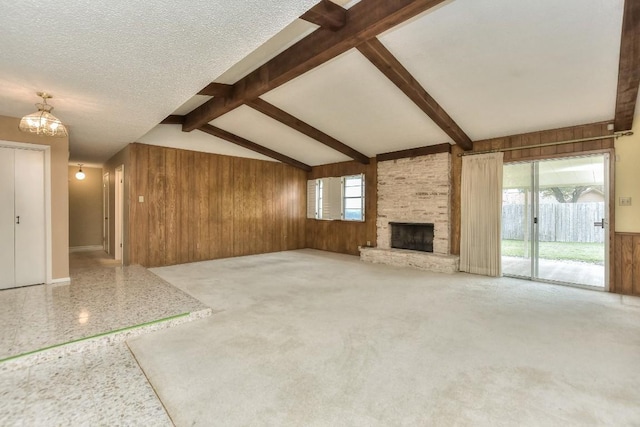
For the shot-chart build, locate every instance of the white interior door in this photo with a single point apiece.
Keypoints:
(7, 218)
(30, 250)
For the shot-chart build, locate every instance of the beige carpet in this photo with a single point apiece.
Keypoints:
(308, 338)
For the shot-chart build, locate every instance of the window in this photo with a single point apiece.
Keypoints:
(336, 198)
(353, 199)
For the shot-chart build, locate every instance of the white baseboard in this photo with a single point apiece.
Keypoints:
(60, 280)
(85, 248)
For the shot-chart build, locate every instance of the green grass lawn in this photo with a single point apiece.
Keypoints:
(586, 252)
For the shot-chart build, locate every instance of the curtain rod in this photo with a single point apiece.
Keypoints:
(616, 135)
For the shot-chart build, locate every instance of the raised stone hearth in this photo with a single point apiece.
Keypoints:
(414, 190)
(416, 259)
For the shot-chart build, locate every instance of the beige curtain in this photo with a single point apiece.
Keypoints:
(481, 214)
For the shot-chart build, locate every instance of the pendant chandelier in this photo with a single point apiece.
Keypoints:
(80, 175)
(42, 122)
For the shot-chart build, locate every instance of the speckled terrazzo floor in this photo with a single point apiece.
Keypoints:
(96, 301)
(88, 382)
(100, 387)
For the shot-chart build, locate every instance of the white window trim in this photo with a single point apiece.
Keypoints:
(326, 198)
(312, 198)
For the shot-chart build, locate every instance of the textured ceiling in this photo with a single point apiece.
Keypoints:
(117, 68)
(292, 33)
(497, 67)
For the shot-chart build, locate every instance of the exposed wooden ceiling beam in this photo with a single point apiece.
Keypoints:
(365, 20)
(287, 119)
(629, 68)
(228, 136)
(173, 119)
(384, 60)
(235, 139)
(414, 152)
(326, 14)
(217, 89)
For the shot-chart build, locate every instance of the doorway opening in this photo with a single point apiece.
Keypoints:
(555, 221)
(119, 212)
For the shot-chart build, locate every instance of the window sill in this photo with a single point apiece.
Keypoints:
(338, 219)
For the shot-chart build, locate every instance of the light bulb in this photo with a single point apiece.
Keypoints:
(80, 175)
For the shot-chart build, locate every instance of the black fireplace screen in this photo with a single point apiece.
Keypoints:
(410, 235)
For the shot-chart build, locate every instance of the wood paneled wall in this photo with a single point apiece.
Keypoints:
(532, 138)
(346, 236)
(626, 264)
(201, 206)
(553, 135)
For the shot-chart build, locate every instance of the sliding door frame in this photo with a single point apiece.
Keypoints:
(610, 170)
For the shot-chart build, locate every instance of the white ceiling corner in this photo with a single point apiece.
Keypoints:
(347, 4)
(172, 136)
(256, 127)
(191, 104)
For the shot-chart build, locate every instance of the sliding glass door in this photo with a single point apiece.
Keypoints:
(554, 220)
(517, 220)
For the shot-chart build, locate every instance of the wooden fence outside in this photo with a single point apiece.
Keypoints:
(558, 222)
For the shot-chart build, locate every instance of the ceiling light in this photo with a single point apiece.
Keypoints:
(42, 122)
(80, 175)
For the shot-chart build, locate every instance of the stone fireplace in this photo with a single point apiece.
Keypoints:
(414, 191)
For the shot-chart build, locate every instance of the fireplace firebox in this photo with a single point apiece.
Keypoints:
(412, 236)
